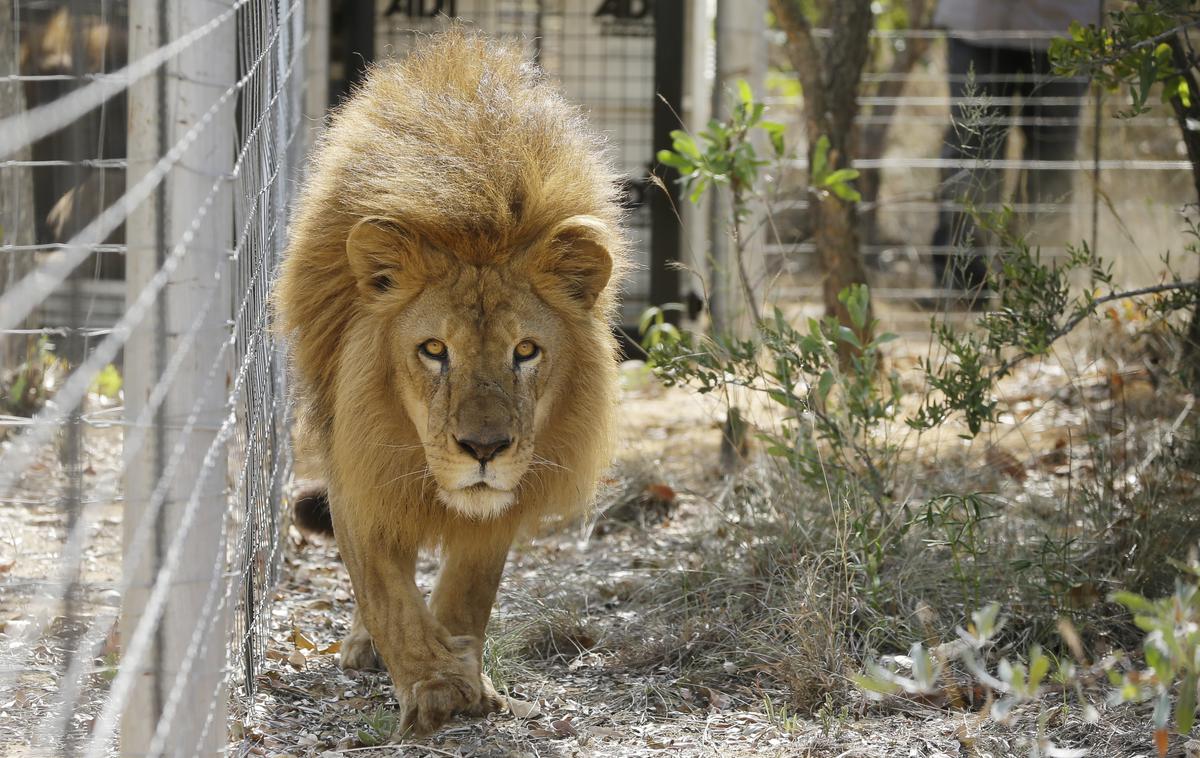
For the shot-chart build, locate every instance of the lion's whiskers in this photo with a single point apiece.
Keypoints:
(423, 471)
(538, 460)
(399, 447)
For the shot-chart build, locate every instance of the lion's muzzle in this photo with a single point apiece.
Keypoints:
(484, 450)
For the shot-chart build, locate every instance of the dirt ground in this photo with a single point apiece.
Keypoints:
(572, 605)
(580, 594)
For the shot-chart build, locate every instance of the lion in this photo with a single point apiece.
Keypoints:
(448, 297)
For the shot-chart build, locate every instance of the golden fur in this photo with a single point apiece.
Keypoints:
(455, 200)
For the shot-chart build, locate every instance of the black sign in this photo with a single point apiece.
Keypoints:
(421, 8)
(626, 10)
(626, 18)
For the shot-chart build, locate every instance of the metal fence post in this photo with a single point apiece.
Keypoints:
(162, 109)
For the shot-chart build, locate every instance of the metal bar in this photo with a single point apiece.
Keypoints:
(665, 232)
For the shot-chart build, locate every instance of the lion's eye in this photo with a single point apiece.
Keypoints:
(435, 349)
(526, 350)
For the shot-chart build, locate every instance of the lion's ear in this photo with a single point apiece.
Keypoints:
(577, 258)
(379, 251)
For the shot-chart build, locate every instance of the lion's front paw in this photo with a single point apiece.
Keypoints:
(358, 650)
(430, 702)
(490, 701)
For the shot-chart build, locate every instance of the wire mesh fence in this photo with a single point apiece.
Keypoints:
(954, 122)
(148, 152)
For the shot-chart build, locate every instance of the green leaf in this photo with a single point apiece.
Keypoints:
(684, 144)
(841, 176)
(746, 93)
(674, 160)
(648, 317)
(820, 160)
(825, 384)
(1185, 707)
(1039, 666)
(846, 192)
(875, 684)
(775, 131)
(1132, 601)
(985, 621)
(107, 383)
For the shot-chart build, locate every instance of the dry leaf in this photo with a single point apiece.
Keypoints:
(6, 564)
(301, 641)
(298, 659)
(524, 710)
(331, 648)
(1006, 463)
(564, 727)
(661, 492)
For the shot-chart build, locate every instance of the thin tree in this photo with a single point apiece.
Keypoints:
(830, 70)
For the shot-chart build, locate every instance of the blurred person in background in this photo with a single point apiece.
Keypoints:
(997, 52)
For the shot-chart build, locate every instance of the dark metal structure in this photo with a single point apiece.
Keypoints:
(622, 60)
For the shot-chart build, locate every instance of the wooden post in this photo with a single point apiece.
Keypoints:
(741, 54)
(697, 104)
(16, 193)
(161, 109)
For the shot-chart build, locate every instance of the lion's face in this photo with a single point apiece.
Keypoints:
(475, 361)
(478, 353)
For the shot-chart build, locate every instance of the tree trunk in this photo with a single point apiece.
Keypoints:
(836, 240)
(1186, 115)
(830, 76)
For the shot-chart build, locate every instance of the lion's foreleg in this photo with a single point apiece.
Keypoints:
(435, 673)
(473, 557)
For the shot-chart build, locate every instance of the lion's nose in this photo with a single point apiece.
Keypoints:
(484, 451)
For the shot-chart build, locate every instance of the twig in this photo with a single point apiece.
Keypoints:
(430, 748)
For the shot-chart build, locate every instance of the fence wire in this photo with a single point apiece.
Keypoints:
(148, 152)
(143, 425)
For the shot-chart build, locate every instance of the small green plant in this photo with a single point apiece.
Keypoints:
(1037, 306)
(378, 728)
(107, 383)
(835, 181)
(832, 717)
(784, 719)
(723, 155)
(958, 520)
(32, 382)
(1169, 678)
(1171, 650)
(654, 327)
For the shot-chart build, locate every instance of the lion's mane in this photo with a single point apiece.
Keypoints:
(466, 145)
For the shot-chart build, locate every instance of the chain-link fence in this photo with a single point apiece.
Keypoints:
(148, 152)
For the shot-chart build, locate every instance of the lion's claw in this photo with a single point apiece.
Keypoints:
(431, 702)
(490, 701)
